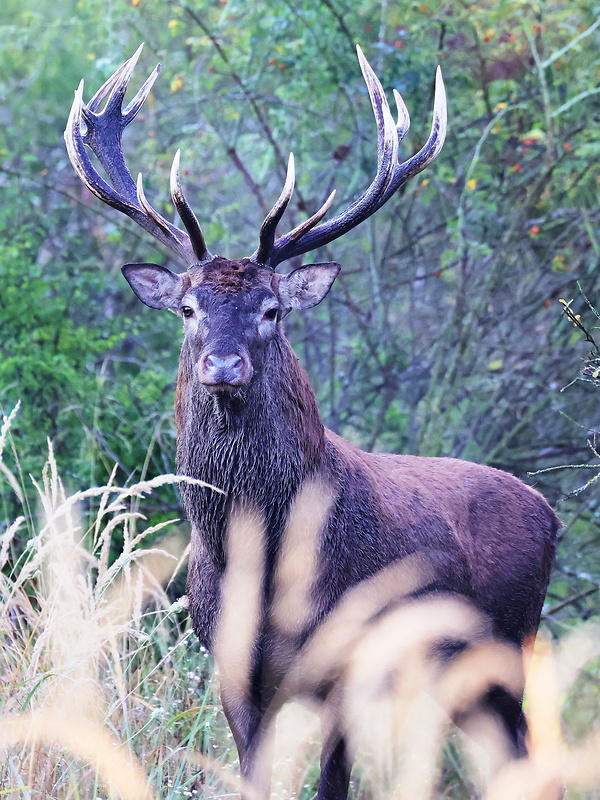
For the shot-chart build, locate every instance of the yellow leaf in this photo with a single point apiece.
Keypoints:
(471, 184)
(535, 133)
(500, 106)
(176, 83)
(173, 23)
(495, 365)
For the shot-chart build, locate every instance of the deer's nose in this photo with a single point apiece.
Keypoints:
(224, 372)
(226, 363)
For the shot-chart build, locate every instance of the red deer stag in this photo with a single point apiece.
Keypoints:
(248, 423)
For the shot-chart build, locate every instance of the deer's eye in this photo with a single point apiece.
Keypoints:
(270, 314)
(187, 311)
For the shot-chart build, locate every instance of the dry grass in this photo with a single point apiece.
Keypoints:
(104, 691)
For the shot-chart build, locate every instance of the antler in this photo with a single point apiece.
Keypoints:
(101, 131)
(391, 175)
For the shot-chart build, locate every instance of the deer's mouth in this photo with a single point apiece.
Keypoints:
(222, 389)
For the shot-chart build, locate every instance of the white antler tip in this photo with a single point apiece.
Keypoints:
(175, 179)
(137, 53)
(439, 82)
(365, 67)
(290, 178)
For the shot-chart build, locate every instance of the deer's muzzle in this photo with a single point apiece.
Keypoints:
(224, 373)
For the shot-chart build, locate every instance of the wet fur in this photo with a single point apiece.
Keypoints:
(488, 536)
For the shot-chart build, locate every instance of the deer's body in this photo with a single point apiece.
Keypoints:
(488, 536)
(248, 423)
(496, 534)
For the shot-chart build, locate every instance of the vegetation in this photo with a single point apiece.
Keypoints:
(445, 334)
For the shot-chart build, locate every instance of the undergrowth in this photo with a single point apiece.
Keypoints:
(106, 693)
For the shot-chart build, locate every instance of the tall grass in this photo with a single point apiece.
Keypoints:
(105, 692)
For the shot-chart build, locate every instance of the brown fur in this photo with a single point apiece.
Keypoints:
(248, 423)
(227, 276)
(486, 535)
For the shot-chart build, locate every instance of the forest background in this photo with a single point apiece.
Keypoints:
(446, 332)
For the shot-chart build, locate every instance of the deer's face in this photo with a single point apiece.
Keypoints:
(230, 311)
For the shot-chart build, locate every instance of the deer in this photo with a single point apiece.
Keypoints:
(248, 424)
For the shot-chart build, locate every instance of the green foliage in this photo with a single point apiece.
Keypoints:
(74, 363)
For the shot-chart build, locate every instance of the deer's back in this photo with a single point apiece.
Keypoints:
(489, 536)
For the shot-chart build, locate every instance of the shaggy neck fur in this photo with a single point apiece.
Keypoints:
(257, 446)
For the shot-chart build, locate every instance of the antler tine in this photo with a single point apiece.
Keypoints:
(403, 122)
(390, 176)
(387, 156)
(81, 161)
(101, 131)
(267, 229)
(114, 79)
(305, 226)
(188, 217)
(132, 108)
(432, 146)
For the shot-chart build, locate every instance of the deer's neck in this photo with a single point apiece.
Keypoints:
(257, 447)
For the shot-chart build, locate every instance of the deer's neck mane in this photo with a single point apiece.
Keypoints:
(257, 447)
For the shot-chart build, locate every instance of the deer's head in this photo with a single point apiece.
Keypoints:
(231, 309)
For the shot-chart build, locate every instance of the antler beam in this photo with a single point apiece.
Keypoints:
(391, 175)
(101, 131)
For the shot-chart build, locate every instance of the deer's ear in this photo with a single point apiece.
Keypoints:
(155, 286)
(307, 286)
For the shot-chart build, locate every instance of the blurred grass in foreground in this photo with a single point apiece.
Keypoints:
(105, 692)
